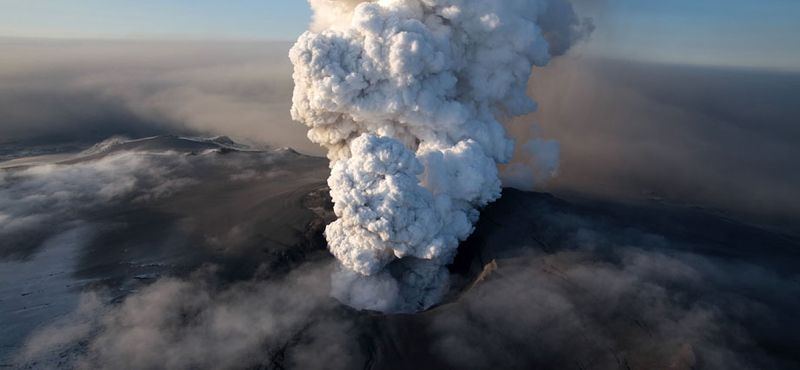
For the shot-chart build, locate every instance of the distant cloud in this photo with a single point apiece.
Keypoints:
(39, 201)
(85, 91)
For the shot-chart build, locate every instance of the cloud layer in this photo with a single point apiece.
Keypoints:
(125, 212)
(569, 286)
(43, 200)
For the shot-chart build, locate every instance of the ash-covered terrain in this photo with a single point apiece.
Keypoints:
(177, 253)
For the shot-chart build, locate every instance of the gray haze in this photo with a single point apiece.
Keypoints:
(57, 92)
(720, 138)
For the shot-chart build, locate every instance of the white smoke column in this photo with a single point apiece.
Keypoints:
(406, 96)
(332, 13)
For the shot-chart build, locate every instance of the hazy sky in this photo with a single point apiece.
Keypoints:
(743, 33)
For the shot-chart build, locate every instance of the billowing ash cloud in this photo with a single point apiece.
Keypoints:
(406, 95)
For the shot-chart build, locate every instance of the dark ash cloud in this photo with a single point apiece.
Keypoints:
(719, 138)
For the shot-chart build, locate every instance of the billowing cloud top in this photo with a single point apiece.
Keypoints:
(406, 96)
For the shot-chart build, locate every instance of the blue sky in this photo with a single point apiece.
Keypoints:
(254, 19)
(744, 33)
(752, 33)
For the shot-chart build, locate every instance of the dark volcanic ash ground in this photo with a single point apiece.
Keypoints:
(183, 254)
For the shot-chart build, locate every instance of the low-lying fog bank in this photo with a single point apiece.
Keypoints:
(182, 254)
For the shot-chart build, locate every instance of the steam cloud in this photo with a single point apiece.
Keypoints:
(406, 95)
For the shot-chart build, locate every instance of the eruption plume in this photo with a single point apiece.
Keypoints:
(407, 95)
